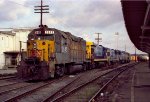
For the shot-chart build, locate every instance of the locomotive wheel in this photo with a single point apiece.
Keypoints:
(88, 66)
(84, 67)
(92, 66)
(59, 71)
(69, 69)
(106, 64)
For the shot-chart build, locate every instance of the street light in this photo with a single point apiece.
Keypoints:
(117, 38)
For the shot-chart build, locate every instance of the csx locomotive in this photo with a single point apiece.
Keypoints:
(52, 52)
(104, 56)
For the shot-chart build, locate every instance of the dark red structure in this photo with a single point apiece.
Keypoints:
(137, 20)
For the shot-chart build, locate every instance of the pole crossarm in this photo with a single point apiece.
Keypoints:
(42, 6)
(41, 9)
(41, 12)
(98, 39)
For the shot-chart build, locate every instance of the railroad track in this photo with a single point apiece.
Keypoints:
(38, 90)
(9, 80)
(8, 92)
(25, 92)
(14, 86)
(100, 91)
(76, 83)
(45, 91)
(104, 93)
(77, 92)
(7, 77)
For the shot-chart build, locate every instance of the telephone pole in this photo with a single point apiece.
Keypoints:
(41, 9)
(135, 55)
(98, 39)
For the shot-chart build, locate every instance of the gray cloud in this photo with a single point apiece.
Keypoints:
(11, 11)
(92, 13)
(80, 17)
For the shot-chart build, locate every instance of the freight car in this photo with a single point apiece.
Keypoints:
(51, 52)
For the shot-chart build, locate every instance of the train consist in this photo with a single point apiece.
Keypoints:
(106, 56)
(51, 52)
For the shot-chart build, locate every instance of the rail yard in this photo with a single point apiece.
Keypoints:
(54, 65)
(79, 87)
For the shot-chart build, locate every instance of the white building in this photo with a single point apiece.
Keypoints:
(10, 46)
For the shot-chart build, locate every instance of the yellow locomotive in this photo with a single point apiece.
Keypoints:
(51, 52)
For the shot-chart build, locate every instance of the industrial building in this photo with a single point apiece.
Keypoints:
(10, 46)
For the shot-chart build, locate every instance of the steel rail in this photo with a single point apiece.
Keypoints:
(13, 83)
(53, 95)
(82, 85)
(14, 99)
(105, 85)
(3, 92)
(50, 97)
(8, 77)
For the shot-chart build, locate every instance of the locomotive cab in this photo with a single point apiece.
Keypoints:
(101, 56)
(40, 46)
(39, 64)
(51, 52)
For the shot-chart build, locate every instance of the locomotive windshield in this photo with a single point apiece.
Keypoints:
(49, 37)
(40, 37)
(98, 51)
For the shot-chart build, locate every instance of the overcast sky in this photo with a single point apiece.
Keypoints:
(82, 18)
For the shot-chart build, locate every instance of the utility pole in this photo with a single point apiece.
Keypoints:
(149, 60)
(20, 43)
(98, 38)
(135, 55)
(41, 9)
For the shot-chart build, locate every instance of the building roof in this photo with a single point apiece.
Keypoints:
(11, 52)
(12, 31)
(137, 21)
(22, 29)
(8, 33)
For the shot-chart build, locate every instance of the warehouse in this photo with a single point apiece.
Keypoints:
(10, 46)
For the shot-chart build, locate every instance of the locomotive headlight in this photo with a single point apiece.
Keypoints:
(34, 45)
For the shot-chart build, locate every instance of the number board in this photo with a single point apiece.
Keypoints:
(46, 32)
